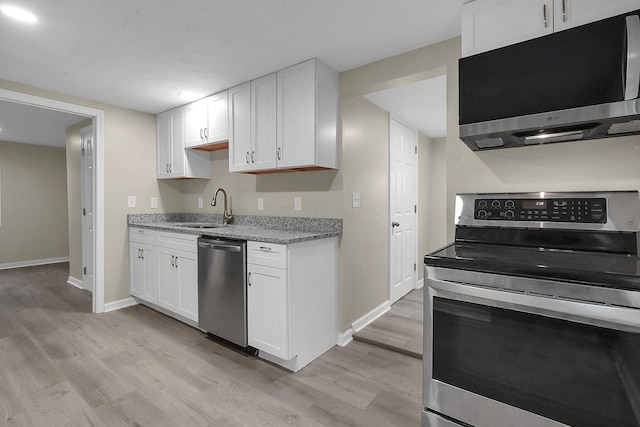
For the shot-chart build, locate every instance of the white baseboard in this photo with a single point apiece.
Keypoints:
(420, 284)
(345, 338)
(362, 322)
(75, 282)
(33, 262)
(117, 305)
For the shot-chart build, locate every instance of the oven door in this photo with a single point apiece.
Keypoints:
(495, 358)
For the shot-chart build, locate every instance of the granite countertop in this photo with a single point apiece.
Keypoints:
(281, 230)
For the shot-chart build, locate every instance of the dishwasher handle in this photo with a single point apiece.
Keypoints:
(221, 246)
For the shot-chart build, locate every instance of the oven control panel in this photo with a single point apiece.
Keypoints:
(578, 210)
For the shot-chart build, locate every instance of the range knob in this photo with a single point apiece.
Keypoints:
(509, 204)
(509, 214)
(482, 204)
(495, 204)
(482, 213)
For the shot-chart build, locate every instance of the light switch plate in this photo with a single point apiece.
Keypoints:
(200, 203)
(154, 203)
(131, 201)
(260, 204)
(356, 200)
(297, 203)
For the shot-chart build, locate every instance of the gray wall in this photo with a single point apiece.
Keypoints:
(33, 217)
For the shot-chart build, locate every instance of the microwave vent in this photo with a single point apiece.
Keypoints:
(489, 142)
(627, 127)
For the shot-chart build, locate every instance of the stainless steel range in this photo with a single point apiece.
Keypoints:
(532, 315)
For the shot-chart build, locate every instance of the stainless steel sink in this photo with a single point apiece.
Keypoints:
(198, 226)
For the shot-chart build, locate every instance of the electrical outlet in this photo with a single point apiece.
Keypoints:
(356, 200)
(260, 204)
(154, 203)
(297, 203)
(131, 201)
(200, 203)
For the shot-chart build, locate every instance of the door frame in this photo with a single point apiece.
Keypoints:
(87, 238)
(415, 198)
(97, 117)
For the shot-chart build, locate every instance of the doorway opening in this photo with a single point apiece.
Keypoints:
(96, 243)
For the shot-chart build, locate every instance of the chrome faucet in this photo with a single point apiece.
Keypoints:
(226, 216)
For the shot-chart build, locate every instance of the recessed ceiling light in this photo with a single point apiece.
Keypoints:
(189, 96)
(18, 14)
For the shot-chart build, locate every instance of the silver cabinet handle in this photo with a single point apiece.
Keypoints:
(201, 133)
(139, 253)
(632, 83)
(206, 134)
(249, 280)
(142, 253)
(252, 157)
(140, 231)
(564, 10)
(265, 248)
(395, 224)
(246, 157)
(279, 156)
(176, 263)
(544, 15)
(173, 258)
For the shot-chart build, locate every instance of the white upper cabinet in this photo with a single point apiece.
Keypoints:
(491, 24)
(285, 121)
(172, 161)
(572, 13)
(208, 121)
(252, 128)
(307, 116)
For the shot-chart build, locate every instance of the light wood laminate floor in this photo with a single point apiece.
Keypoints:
(60, 365)
(400, 328)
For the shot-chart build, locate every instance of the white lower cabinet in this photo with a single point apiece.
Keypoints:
(292, 300)
(143, 264)
(164, 271)
(268, 310)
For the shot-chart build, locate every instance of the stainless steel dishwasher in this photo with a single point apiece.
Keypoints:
(222, 289)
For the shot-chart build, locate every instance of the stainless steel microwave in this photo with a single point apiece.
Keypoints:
(576, 84)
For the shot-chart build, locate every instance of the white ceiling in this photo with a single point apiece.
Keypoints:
(141, 54)
(420, 105)
(33, 125)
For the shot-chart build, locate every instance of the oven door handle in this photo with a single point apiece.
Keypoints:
(612, 317)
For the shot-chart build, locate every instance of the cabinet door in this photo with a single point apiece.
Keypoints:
(177, 165)
(187, 266)
(240, 128)
(196, 122)
(263, 123)
(143, 265)
(296, 114)
(163, 144)
(490, 24)
(167, 279)
(572, 13)
(217, 129)
(268, 310)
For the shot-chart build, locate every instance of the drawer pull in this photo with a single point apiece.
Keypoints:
(265, 248)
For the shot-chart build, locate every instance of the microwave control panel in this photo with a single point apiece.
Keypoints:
(578, 210)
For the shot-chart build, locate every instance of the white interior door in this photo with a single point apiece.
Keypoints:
(403, 162)
(87, 207)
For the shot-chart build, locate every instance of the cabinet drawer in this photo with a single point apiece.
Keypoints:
(267, 254)
(178, 241)
(142, 235)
